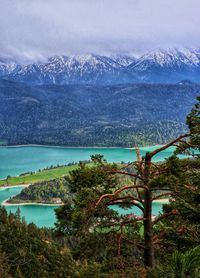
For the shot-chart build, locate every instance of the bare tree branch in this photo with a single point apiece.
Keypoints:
(118, 202)
(119, 191)
(127, 174)
(132, 242)
(189, 144)
(165, 215)
(151, 154)
(138, 154)
(163, 195)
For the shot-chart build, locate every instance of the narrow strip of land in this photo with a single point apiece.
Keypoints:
(44, 175)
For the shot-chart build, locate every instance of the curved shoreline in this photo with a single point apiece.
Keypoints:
(5, 202)
(11, 186)
(77, 147)
(64, 147)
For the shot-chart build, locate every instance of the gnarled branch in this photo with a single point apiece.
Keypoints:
(163, 195)
(132, 242)
(165, 215)
(111, 195)
(128, 174)
(151, 154)
(118, 202)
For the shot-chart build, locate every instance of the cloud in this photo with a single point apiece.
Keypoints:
(35, 29)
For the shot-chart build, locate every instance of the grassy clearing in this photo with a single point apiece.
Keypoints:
(44, 175)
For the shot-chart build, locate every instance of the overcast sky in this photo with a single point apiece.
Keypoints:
(33, 29)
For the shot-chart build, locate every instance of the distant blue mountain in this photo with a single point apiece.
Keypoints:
(93, 115)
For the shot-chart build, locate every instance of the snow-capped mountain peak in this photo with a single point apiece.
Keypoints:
(7, 67)
(168, 58)
(160, 65)
(124, 60)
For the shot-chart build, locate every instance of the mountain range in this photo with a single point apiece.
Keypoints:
(159, 66)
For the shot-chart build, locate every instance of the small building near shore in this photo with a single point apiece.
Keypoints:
(56, 200)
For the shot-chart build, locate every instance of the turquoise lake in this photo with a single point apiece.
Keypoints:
(17, 160)
(44, 215)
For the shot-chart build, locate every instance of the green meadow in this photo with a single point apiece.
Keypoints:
(44, 175)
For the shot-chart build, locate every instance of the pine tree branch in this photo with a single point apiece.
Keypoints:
(127, 174)
(151, 154)
(111, 195)
(165, 215)
(119, 202)
(132, 242)
(163, 195)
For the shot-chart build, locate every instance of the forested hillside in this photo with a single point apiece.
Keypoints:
(121, 115)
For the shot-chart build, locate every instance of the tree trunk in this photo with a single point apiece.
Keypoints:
(148, 231)
(148, 227)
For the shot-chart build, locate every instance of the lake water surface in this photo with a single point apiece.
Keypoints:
(17, 160)
(44, 215)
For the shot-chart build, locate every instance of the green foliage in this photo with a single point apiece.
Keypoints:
(193, 121)
(26, 251)
(91, 270)
(182, 231)
(178, 265)
(91, 232)
(172, 177)
(85, 184)
(4, 266)
(186, 264)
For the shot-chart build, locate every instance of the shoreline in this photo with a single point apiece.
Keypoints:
(75, 147)
(162, 201)
(5, 202)
(64, 147)
(11, 186)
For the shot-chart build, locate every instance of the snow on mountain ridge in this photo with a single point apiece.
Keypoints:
(124, 60)
(170, 65)
(81, 63)
(83, 69)
(169, 58)
(8, 67)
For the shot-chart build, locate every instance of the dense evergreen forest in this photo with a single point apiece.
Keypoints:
(92, 240)
(53, 191)
(83, 115)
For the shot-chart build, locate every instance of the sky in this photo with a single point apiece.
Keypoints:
(33, 30)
